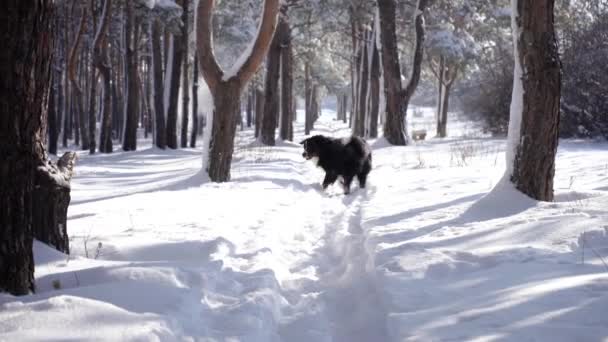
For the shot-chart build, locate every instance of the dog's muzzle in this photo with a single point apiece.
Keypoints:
(306, 156)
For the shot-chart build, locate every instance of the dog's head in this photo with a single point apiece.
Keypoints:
(313, 146)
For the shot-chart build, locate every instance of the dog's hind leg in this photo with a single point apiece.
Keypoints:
(362, 176)
(330, 178)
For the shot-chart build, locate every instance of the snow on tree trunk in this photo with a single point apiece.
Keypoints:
(534, 117)
(226, 88)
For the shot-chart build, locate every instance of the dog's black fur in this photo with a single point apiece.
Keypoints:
(346, 157)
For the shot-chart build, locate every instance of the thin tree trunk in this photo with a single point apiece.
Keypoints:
(363, 80)
(93, 85)
(307, 100)
(132, 109)
(173, 94)
(77, 95)
(374, 90)
(159, 105)
(249, 107)
(286, 83)
(440, 74)
(271, 89)
(445, 94)
(185, 95)
(194, 103)
(259, 111)
(101, 63)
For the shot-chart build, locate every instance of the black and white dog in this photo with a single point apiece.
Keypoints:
(346, 157)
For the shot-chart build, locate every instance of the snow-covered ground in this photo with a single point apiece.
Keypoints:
(425, 253)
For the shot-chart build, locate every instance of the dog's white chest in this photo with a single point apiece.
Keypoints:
(315, 160)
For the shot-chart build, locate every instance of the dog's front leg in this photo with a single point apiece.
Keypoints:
(330, 178)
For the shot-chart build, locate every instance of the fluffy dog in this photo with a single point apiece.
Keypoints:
(346, 157)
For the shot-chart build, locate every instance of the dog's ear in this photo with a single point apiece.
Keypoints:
(303, 141)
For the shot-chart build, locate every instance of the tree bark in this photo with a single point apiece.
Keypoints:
(397, 98)
(25, 69)
(226, 116)
(129, 142)
(185, 96)
(226, 89)
(534, 162)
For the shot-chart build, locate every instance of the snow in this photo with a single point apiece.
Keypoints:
(422, 254)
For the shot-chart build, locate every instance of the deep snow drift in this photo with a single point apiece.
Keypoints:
(425, 253)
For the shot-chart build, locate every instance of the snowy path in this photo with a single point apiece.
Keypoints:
(422, 254)
(346, 287)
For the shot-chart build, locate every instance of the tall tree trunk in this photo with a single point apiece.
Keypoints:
(159, 104)
(271, 89)
(185, 97)
(101, 62)
(25, 69)
(132, 109)
(286, 83)
(534, 123)
(397, 99)
(194, 103)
